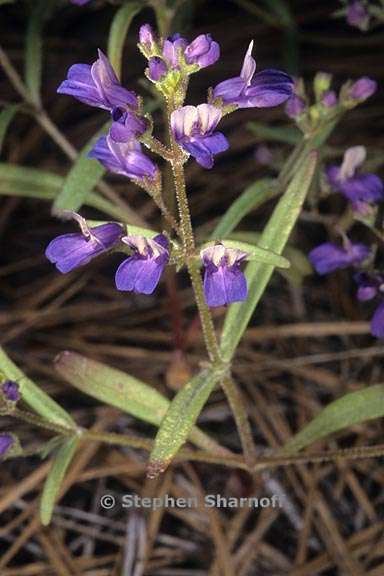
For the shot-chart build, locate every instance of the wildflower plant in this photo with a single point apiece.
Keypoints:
(224, 270)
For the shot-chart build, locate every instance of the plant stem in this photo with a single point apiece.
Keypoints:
(242, 422)
(189, 251)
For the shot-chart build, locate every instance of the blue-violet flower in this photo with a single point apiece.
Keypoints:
(329, 257)
(70, 251)
(124, 158)
(224, 282)
(193, 128)
(97, 85)
(249, 90)
(361, 189)
(141, 272)
(202, 51)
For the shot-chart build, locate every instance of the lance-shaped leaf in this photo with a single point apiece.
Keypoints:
(81, 179)
(55, 478)
(274, 237)
(299, 263)
(6, 116)
(121, 390)
(353, 408)
(22, 181)
(252, 197)
(34, 396)
(285, 134)
(118, 32)
(41, 11)
(180, 419)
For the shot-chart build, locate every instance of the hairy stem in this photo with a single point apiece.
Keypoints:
(242, 422)
(189, 251)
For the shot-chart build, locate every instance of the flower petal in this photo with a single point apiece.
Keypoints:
(328, 257)
(70, 251)
(139, 274)
(268, 88)
(363, 188)
(224, 285)
(249, 66)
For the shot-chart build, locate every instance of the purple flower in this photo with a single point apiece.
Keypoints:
(97, 85)
(361, 189)
(126, 125)
(203, 51)
(329, 257)
(11, 391)
(141, 272)
(79, 2)
(70, 251)
(295, 106)
(193, 128)
(249, 90)
(157, 68)
(173, 50)
(357, 15)
(362, 88)
(124, 158)
(6, 442)
(224, 282)
(370, 286)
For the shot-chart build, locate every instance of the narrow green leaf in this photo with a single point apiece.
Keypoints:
(55, 478)
(119, 389)
(41, 11)
(6, 116)
(81, 179)
(274, 237)
(180, 419)
(118, 32)
(252, 197)
(34, 396)
(112, 386)
(353, 408)
(299, 263)
(22, 181)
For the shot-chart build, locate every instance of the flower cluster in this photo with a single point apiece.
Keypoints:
(193, 133)
(224, 282)
(363, 191)
(328, 104)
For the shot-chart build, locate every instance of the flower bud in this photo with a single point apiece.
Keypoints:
(362, 88)
(329, 99)
(358, 15)
(295, 106)
(157, 69)
(10, 391)
(147, 37)
(321, 84)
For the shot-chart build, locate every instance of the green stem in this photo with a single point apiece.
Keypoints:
(236, 403)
